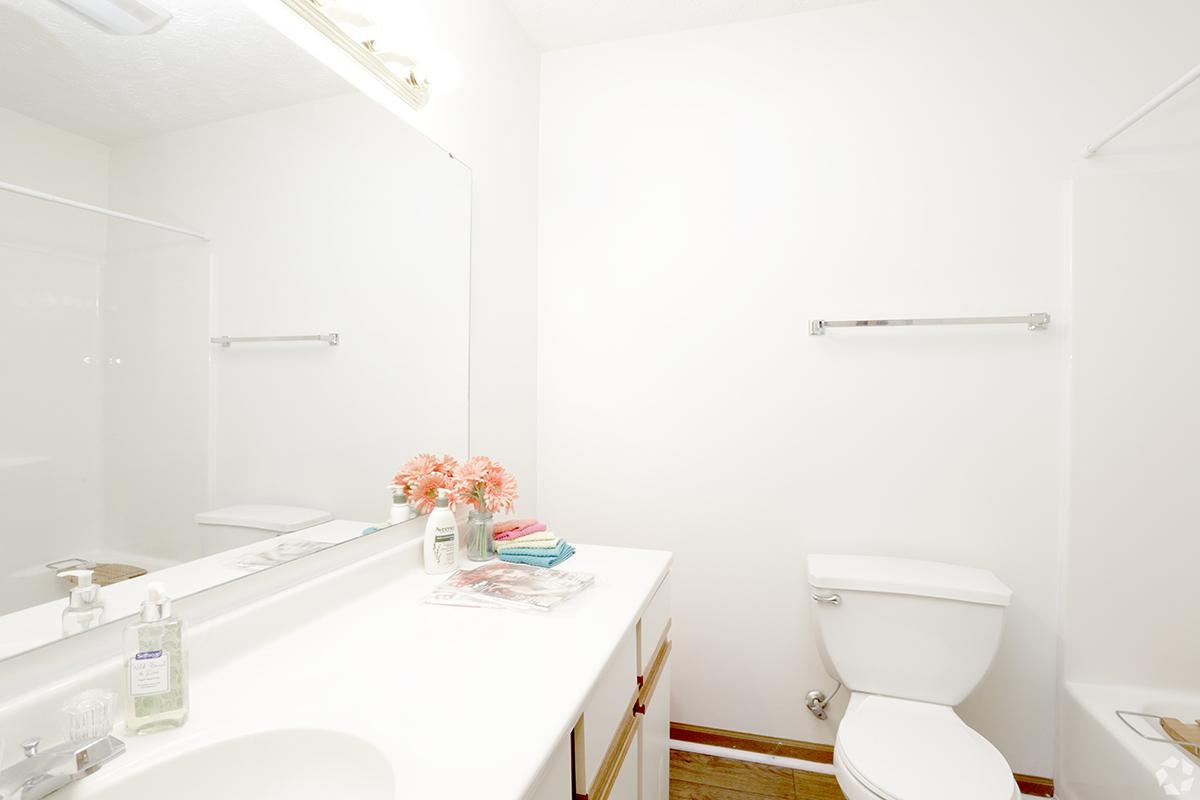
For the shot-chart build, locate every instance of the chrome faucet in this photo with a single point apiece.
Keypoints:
(41, 773)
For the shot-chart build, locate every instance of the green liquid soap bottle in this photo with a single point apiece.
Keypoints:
(155, 668)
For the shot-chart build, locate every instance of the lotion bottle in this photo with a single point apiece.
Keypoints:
(441, 537)
(156, 690)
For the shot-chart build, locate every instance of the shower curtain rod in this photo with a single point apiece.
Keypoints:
(1160, 98)
(108, 212)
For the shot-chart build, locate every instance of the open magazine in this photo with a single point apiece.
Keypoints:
(503, 585)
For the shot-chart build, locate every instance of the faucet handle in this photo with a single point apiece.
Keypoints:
(30, 746)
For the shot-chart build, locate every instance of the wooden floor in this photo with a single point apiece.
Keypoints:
(697, 777)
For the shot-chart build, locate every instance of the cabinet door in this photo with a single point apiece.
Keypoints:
(555, 781)
(619, 777)
(606, 714)
(653, 626)
(656, 737)
(627, 785)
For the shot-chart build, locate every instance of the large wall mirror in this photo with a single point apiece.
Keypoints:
(187, 217)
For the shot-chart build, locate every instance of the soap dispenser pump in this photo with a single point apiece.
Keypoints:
(85, 607)
(441, 536)
(155, 667)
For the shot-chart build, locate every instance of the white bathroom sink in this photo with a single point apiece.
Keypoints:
(295, 764)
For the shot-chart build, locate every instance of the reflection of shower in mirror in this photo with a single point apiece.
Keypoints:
(241, 189)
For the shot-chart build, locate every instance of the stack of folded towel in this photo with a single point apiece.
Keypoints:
(526, 541)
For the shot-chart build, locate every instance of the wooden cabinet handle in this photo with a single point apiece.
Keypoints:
(610, 767)
(652, 676)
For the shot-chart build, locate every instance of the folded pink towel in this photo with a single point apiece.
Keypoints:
(513, 524)
(517, 534)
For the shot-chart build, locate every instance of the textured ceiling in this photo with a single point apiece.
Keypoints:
(214, 60)
(553, 24)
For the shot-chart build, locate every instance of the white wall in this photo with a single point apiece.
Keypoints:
(327, 216)
(1131, 611)
(50, 264)
(704, 194)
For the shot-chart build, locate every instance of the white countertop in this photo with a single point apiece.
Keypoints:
(465, 702)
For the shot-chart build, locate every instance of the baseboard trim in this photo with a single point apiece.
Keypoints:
(1033, 786)
(753, 743)
(811, 756)
(747, 755)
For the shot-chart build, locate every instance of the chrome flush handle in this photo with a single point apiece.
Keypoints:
(831, 599)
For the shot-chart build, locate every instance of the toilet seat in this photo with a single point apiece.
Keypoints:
(909, 750)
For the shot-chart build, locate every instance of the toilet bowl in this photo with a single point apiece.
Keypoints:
(910, 640)
(228, 528)
(890, 749)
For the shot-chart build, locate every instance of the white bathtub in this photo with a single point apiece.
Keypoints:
(34, 584)
(1102, 759)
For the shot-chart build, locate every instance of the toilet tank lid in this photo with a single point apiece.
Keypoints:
(278, 519)
(907, 576)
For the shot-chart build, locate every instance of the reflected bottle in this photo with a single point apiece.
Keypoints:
(85, 606)
(155, 668)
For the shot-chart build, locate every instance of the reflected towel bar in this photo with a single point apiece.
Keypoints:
(1033, 322)
(332, 339)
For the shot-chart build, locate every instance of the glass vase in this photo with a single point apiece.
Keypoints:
(480, 531)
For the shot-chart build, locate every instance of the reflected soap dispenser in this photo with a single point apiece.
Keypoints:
(441, 536)
(85, 606)
(156, 696)
(402, 509)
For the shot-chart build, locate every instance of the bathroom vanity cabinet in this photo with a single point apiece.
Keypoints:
(618, 749)
(426, 701)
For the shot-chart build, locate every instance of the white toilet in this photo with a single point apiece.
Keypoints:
(227, 528)
(910, 640)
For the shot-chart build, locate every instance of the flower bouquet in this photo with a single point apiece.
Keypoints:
(487, 487)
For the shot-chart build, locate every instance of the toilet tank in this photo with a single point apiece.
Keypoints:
(228, 528)
(918, 630)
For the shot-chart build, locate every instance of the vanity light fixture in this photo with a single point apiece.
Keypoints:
(122, 17)
(350, 29)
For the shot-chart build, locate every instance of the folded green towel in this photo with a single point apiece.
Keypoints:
(538, 549)
(538, 557)
(541, 541)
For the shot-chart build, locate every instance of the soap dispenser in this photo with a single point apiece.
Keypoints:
(441, 536)
(155, 667)
(85, 607)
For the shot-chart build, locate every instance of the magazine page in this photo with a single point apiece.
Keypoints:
(513, 586)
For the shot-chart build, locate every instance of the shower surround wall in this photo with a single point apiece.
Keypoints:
(50, 262)
(91, 425)
(1134, 433)
(704, 194)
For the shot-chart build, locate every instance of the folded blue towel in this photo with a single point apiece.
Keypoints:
(541, 552)
(538, 558)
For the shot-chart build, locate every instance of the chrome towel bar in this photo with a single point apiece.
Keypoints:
(1034, 322)
(332, 339)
